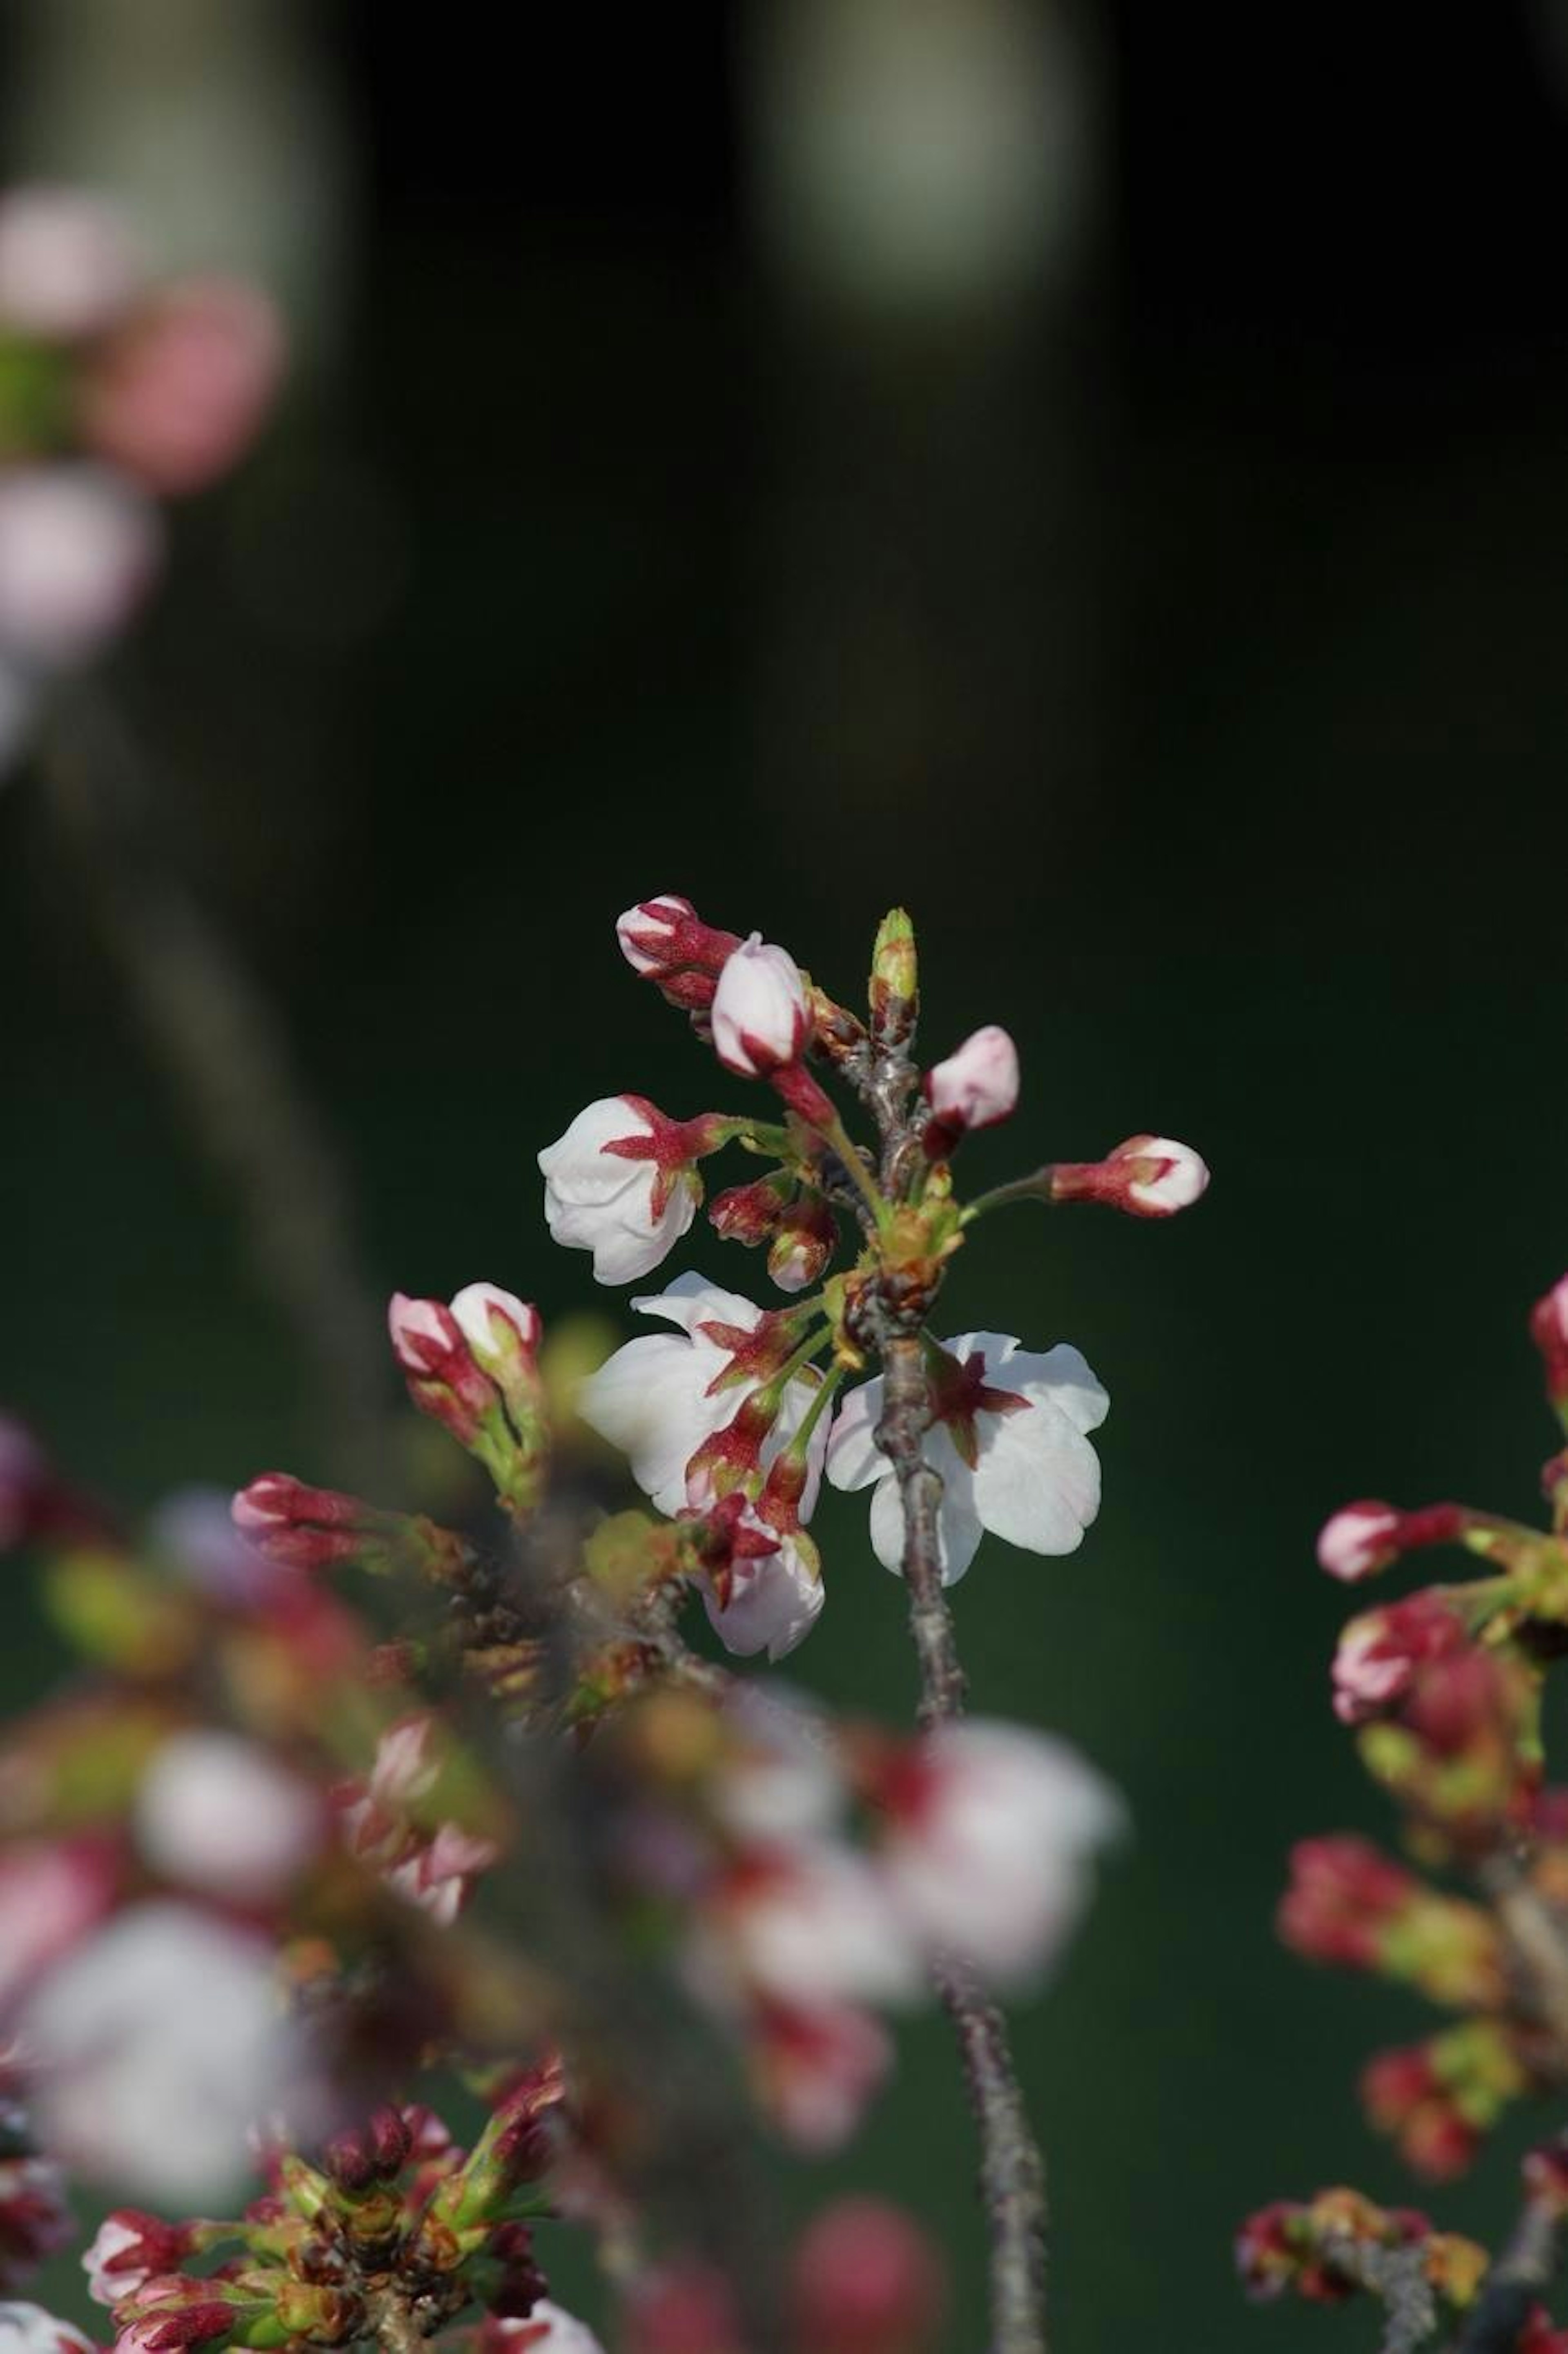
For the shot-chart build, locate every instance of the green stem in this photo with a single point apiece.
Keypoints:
(1034, 1188)
(838, 1136)
(819, 1404)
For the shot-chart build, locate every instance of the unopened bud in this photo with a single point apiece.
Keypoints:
(803, 1244)
(1147, 1177)
(761, 1014)
(894, 993)
(1549, 1330)
(975, 1087)
(666, 942)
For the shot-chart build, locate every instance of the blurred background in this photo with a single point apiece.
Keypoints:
(1096, 474)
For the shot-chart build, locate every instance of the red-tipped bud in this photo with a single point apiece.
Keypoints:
(866, 2280)
(761, 1013)
(434, 1352)
(1148, 1177)
(666, 942)
(975, 1087)
(1361, 1539)
(302, 1527)
(804, 1243)
(1549, 1330)
(1382, 1653)
(750, 1214)
(1343, 1897)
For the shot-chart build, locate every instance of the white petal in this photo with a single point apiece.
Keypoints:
(577, 1164)
(854, 1460)
(626, 1248)
(1038, 1481)
(691, 1300)
(650, 1401)
(775, 1604)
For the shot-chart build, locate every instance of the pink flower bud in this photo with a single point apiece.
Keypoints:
(67, 267)
(761, 1015)
(434, 1352)
(803, 1245)
(1147, 1177)
(866, 2280)
(1363, 1538)
(977, 1086)
(498, 1324)
(1549, 1330)
(129, 2248)
(666, 942)
(1359, 1541)
(303, 1527)
(35, 2221)
(177, 397)
(79, 548)
(1382, 1653)
(1343, 1896)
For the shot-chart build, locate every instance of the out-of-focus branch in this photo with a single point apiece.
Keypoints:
(1517, 2281)
(212, 1030)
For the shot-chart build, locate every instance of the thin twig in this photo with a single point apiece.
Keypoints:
(1515, 2283)
(212, 1029)
(1013, 2175)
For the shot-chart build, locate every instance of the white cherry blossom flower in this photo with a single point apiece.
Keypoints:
(157, 2042)
(776, 1598)
(989, 1851)
(808, 1922)
(1010, 1445)
(67, 264)
(28, 2329)
(628, 1207)
(655, 1398)
(761, 1015)
(213, 1811)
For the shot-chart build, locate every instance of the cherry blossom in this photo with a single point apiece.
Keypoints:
(1009, 1441)
(661, 1397)
(775, 1598)
(622, 1183)
(217, 1813)
(761, 1014)
(28, 2329)
(990, 1844)
(548, 2329)
(977, 1084)
(158, 2041)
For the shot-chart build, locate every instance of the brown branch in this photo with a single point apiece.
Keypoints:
(1515, 2283)
(1012, 2179)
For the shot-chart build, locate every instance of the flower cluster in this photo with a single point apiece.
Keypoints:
(116, 391)
(284, 1854)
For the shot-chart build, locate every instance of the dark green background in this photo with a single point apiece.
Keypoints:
(1189, 658)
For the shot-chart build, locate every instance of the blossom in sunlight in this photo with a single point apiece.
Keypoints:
(775, 1595)
(1010, 1439)
(622, 1184)
(662, 1397)
(158, 2041)
(991, 1833)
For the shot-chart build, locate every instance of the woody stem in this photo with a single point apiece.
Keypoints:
(1013, 2178)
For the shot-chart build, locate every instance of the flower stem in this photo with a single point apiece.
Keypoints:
(1013, 2176)
(1036, 1187)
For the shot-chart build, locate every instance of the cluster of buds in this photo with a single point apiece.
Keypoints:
(1443, 1689)
(115, 392)
(392, 2235)
(1327, 2248)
